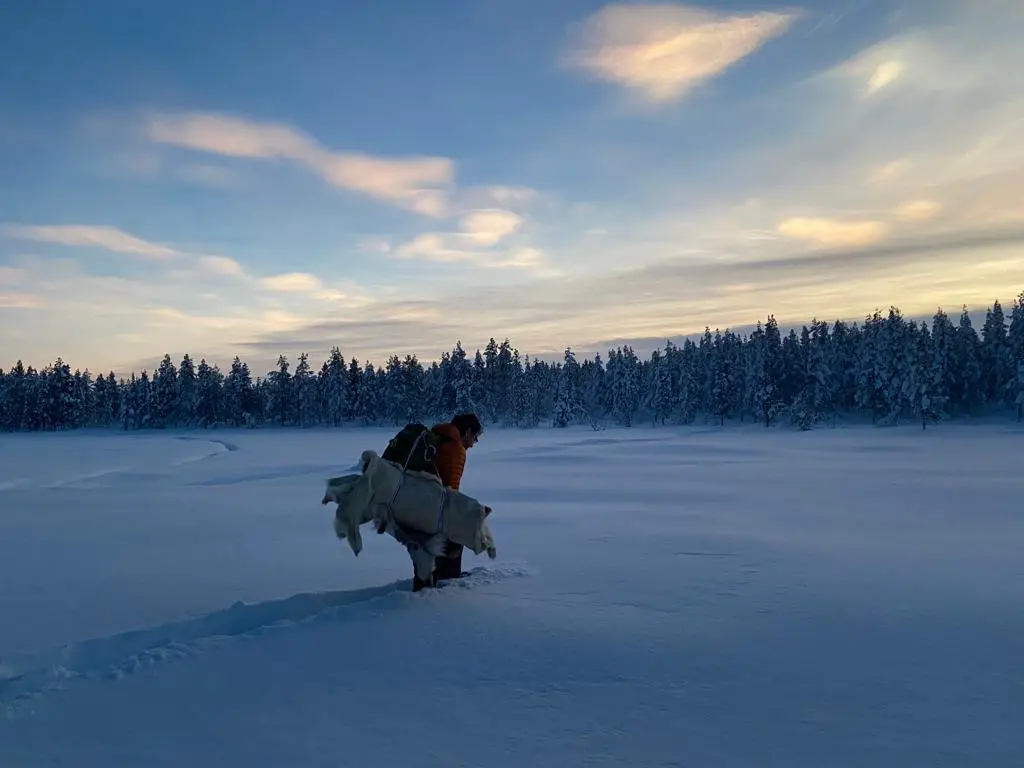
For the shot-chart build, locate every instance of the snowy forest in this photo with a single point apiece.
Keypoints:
(886, 369)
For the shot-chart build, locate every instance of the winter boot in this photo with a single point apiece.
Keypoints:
(449, 565)
(418, 583)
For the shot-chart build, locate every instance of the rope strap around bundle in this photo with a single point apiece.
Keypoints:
(428, 454)
(440, 510)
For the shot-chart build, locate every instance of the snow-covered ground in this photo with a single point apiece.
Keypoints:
(661, 597)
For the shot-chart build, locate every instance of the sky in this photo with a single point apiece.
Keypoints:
(266, 178)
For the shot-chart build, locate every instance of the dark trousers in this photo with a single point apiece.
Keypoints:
(449, 565)
(446, 566)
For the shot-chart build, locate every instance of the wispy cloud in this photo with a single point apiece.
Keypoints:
(420, 184)
(19, 300)
(106, 238)
(11, 275)
(918, 210)
(181, 262)
(665, 50)
(481, 242)
(830, 232)
(293, 282)
(149, 163)
(221, 265)
(489, 227)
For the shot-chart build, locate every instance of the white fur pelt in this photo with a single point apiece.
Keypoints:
(364, 498)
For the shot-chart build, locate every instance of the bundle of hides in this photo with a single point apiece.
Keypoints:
(422, 505)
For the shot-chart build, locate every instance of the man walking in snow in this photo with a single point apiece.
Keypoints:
(452, 440)
(449, 462)
(445, 458)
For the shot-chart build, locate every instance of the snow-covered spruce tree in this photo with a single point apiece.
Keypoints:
(394, 393)
(209, 394)
(869, 366)
(524, 397)
(281, 405)
(662, 386)
(924, 391)
(241, 402)
(504, 378)
(1015, 344)
(686, 403)
(82, 399)
(445, 385)
(997, 369)
(568, 403)
(766, 371)
(477, 385)
(353, 382)
(414, 390)
(304, 383)
(488, 381)
(335, 388)
(16, 396)
(461, 380)
(624, 378)
(370, 396)
(431, 396)
(594, 390)
(894, 363)
(187, 393)
(943, 367)
(967, 391)
(543, 382)
(165, 394)
(813, 400)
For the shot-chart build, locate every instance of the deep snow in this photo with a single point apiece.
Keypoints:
(670, 596)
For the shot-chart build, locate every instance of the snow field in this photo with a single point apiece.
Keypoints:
(671, 596)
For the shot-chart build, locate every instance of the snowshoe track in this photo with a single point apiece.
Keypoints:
(35, 675)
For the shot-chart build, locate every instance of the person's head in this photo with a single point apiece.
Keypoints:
(469, 427)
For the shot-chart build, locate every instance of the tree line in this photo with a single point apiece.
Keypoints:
(887, 368)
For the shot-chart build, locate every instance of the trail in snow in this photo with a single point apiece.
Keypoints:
(124, 653)
(141, 457)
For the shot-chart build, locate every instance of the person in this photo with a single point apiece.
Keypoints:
(449, 463)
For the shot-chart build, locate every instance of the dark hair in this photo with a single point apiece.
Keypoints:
(464, 422)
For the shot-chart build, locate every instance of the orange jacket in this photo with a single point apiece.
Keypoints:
(450, 459)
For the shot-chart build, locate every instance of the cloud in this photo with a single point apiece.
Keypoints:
(434, 246)
(830, 232)
(489, 227)
(420, 184)
(524, 258)
(15, 300)
(182, 263)
(150, 164)
(884, 74)
(889, 171)
(293, 282)
(11, 275)
(918, 210)
(106, 238)
(475, 243)
(221, 265)
(475, 248)
(665, 50)
(509, 196)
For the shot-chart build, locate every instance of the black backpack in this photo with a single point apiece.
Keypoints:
(414, 447)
